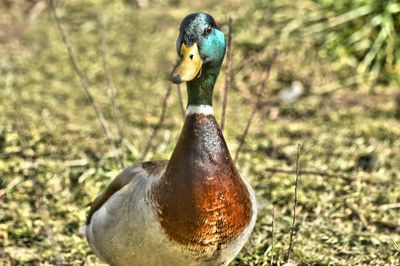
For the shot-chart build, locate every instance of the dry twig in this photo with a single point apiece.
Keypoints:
(296, 199)
(272, 236)
(111, 88)
(158, 125)
(84, 83)
(228, 74)
(389, 206)
(257, 104)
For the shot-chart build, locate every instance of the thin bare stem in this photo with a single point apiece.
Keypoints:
(273, 236)
(84, 83)
(257, 104)
(111, 88)
(245, 132)
(228, 74)
(181, 104)
(149, 143)
(296, 200)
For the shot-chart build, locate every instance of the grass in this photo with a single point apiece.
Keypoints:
(55, 158)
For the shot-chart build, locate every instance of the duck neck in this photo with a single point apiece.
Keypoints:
(200, 90)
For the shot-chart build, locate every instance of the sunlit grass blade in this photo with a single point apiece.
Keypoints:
(338, 20)
(365, 30)
(373, 51)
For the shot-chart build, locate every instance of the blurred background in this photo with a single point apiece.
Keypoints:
(334, 89)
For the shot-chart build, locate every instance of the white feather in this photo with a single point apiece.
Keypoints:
(199, 109)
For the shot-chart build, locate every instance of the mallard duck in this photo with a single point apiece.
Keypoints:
(195, 209)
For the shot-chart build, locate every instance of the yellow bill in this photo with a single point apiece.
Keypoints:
(189, 64)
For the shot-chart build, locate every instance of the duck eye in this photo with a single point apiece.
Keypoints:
(208, 30)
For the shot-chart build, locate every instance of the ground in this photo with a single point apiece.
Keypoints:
(55, 158)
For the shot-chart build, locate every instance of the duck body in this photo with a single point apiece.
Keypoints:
(195, 209)
(186, 211)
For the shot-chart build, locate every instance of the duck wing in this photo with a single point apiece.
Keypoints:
(123, 179)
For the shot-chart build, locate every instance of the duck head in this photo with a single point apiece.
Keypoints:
(201, 49)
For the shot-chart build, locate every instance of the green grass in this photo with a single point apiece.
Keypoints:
(54, 157)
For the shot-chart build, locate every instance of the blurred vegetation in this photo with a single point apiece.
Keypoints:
(54, 157)
(363, 31)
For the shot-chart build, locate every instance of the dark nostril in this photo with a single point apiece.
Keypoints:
(181, 55)
(191, 57)
(176, 79)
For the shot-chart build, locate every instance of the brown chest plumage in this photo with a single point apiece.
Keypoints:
(201, 199)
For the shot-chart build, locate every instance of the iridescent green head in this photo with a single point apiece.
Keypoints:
(201, 48)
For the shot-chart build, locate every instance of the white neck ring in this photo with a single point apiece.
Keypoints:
(199, 109)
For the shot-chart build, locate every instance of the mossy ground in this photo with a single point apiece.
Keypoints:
(54, 157)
